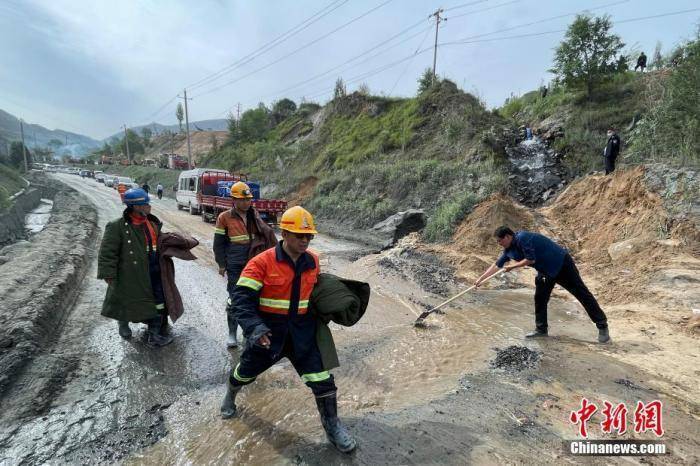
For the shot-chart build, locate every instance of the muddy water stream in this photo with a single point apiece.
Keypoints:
(409, 395)
(36, 220)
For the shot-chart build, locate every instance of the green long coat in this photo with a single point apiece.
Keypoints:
(123, 258)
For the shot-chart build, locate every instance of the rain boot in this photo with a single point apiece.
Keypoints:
(228, 406)
(124, 330)
(232, 340)
(154, 338)
(603, 335)
(336, 432)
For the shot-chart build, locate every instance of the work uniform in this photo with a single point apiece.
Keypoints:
(272, 296)
(232, 238)
(554, 265)
(610, 153)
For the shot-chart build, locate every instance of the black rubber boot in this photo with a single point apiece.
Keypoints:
(124, 330)
(228, 406)
(537, 334)
(603, 335)
(232, 340)
(336, 432)
(154, 339)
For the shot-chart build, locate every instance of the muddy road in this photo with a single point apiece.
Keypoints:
(441, 395)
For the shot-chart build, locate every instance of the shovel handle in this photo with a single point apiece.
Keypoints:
(428, 312)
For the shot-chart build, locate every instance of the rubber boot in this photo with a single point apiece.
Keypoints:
(537, 334)
(165, 327)
(124, 330)
(603, 335)
(228, 406)
(154, 338)
(232, 340)
(336, 432)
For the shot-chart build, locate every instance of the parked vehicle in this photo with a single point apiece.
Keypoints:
(198, 192)
(109, 180)
(100, 177)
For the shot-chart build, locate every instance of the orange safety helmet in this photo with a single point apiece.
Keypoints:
(240, 190)
(298, 220)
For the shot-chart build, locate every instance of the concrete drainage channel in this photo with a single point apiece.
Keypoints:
(34, 299)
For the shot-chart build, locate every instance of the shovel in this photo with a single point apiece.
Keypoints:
(419, 321)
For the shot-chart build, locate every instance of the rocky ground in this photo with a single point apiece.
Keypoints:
(465, 389)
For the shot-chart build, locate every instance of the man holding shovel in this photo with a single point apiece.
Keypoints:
(554, 266)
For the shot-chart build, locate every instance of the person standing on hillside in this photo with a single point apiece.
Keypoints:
(159, 190)
(611, 151)
(641, 62)
(130, 264)
(271, 301)
(240, 234)
(554, 266)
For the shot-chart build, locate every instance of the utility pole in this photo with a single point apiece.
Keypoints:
(24, 147)
(126, 142)
(187, 127)
(238, 115)
(438, 20)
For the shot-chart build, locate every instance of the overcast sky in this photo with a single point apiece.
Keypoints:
(91, 66)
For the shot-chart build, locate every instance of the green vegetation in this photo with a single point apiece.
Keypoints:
(375, 156)
(670, 131)
(10, 183)
(587, 57)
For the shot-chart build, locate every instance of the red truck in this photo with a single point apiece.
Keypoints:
(204, 183)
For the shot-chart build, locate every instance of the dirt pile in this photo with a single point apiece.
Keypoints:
(473, 247)
(515, 358)
(304, 192)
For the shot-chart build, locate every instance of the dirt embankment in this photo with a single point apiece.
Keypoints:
(37, 283)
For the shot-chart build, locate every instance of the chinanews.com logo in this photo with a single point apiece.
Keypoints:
(647, 417)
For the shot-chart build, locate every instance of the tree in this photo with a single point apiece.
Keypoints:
(135, 144)
(339, 91)
(179, 114)
(282, 109)
(586, 57)
(363, 90)
(17, 155)
(425, 81)
(254, 124)
(657, 60)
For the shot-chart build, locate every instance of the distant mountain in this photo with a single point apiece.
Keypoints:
(202, 125)
(63, 142)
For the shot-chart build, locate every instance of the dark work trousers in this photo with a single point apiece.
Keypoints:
(232, 276)
(609, 165)
(570, 279)
(255, 360)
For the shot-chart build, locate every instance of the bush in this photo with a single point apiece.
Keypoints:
(442, 223)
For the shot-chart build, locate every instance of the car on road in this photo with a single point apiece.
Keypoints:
(109, 180)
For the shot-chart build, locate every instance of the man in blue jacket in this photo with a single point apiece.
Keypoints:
(554, 266)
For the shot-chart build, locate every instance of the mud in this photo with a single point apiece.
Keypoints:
(409, 396)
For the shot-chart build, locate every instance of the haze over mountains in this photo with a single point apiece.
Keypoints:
(79, 145)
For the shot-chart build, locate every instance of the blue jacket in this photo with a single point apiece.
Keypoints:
(547, 254)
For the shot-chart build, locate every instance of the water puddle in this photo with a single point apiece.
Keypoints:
(36, 220)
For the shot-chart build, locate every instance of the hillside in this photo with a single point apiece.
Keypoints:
(220, 124)
(441, 151)
(64, 142)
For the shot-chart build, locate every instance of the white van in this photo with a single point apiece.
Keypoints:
(188, 185)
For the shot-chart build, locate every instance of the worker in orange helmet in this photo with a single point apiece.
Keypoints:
(240, 234)
(271, 302)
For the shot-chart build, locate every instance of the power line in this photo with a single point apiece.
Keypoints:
(464, 5)
(270, 45)
(308, 44)
(541, 33)
(313, 78)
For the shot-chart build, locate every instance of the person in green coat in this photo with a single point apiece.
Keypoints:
(128, 261)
